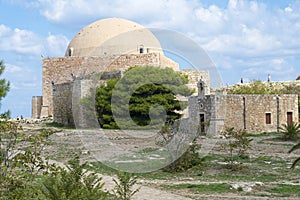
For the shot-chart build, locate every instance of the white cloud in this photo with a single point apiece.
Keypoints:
(237, 35)
(56, 45)
(12, 68)
(243, 27)
(21, 41)
(30, 43)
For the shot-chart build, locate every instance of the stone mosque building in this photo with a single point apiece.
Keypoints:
(109, 45)
(113, 45)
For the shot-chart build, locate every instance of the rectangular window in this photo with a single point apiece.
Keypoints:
(202, 120)
(289, 117)
(268, 118)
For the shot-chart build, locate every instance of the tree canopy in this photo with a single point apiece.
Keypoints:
(133, 99)
(259, 87)
(4, 87)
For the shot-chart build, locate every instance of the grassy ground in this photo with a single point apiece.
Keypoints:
(264, 172)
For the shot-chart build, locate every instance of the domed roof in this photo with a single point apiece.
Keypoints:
(113, 36)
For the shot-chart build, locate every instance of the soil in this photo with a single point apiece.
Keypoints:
(267, 155)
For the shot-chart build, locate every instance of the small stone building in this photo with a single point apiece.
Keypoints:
(253, 113)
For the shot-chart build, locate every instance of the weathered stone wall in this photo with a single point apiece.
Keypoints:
(60, 70)
(194, 76)
(212, 106)
(244, 111)
(62, 103)
(37, 102)
(74, 102)
(252, 116)
(167, 62)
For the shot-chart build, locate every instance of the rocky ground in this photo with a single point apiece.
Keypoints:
(265, 174)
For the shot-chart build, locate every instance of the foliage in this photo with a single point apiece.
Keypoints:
(236, 144)
(256, 87)
(103, 104)
(182, 135)
(124, 186)
(4, 88)
(290, 131)
(187, 160)
(149, 86)
(26, 174)
(296, 147)
(21, 161)
(73, 183)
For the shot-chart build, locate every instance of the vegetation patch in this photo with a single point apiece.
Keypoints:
(203, 188)
(285, 190)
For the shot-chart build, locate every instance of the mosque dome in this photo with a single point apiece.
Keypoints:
(113, 36)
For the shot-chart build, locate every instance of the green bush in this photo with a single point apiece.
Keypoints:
(73, 183)
(236, 144)
(290, 131)
(124, 186)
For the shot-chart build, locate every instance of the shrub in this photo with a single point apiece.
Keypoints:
(236, 144)
(73, 183)
(124, 186)
(290, 131)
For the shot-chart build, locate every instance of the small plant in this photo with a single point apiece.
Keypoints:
(297, 146)
(124, 186)
(237, 144)
(73, 183)
(187, 160)
(290, 131)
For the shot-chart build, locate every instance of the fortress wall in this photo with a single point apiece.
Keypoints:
(59, 70)
(245, 111)
(256, 107)
(62, 104)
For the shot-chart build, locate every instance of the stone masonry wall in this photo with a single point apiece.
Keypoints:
(194, 76)
(60, 70)
(37, 102)
(244, 111)
(256, 107)
(62, 104)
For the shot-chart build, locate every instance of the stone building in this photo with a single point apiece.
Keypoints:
(253, 113)
(108, 45)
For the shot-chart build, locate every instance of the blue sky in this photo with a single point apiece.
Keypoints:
(244, 38)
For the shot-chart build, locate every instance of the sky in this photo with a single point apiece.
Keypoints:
(244, 38)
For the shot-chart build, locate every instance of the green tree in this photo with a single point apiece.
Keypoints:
(143, 88)
(236, 144)
(255, 87)
(4, 88)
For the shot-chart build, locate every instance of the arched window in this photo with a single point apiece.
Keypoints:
(141, 49)
(70, 52)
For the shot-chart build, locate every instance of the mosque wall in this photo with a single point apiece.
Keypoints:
(66, 69)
